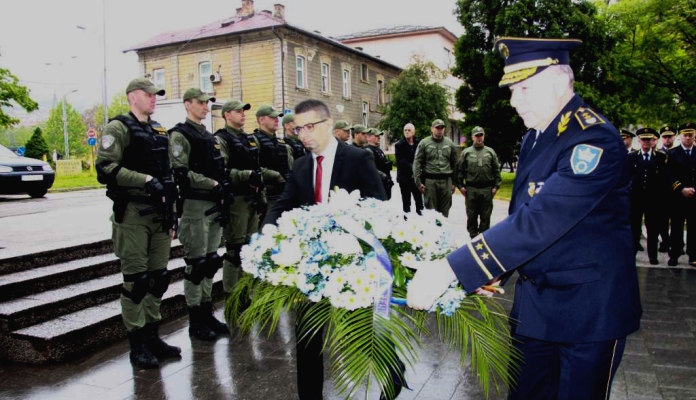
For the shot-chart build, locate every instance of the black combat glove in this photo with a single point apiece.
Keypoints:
(154, 188)
(255, 179)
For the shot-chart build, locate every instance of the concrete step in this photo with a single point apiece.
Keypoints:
(55, 256)
(77, 333)
(39, 307)
(28, 282)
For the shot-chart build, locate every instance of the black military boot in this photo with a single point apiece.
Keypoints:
(159, 347)
(213, 323)
(140, 355)
(197, 327)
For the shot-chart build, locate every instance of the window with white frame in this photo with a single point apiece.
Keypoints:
(204, 71)
(325, 78)
(365, 112)
(346, 84)
(159, 79)
(301, 72)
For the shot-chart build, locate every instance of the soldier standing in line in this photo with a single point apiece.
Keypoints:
(647, 168)
(405, 150)
(478, 178)
(434, 163)
(133, 162)
(667, 133)
(627, 137)
(275, 154)
(199, 170)
(241, 153)
(383, 164)
(341, 131)
(298, 149)
(359, 136)
(681, 168)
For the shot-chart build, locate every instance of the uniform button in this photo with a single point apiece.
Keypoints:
(524, 278)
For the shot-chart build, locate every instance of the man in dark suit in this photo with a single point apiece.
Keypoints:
(567, 235)
(405, 151)
(648, 181)
(681, 168)
(329, 165)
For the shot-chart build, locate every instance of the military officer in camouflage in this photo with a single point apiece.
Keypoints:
(199, 170)
(383, 164)
(478, 178)
(241, 153)
(433, 168)
(298, 149)
(275, 154)
(359, 136)
(133, 162)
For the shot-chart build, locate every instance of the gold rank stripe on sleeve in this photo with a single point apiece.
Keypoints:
(676, 185)
(484, 257)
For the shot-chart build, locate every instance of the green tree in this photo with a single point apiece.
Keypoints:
(14, 136)
(77, 132)
(117, 106)
(11, 93)
(481, 68)
(36, 146)
(654, 58)
(416, 97)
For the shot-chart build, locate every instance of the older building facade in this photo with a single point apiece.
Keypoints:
(261, 59)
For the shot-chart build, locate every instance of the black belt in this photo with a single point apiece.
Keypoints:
(199, 196)
(428, 175)
(479, 185)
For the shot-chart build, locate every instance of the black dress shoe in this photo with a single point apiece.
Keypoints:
(672, 262)
(653, 261)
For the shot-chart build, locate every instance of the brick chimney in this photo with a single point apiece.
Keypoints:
(247, 8)
(279, 11)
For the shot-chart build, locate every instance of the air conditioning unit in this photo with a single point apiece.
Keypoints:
(215, 77)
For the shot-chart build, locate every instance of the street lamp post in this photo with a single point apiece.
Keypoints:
(104, 94)
(66, 142)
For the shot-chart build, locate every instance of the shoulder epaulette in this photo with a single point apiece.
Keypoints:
(157, 127)
(587, 117)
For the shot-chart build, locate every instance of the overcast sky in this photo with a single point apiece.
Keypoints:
(34, 33)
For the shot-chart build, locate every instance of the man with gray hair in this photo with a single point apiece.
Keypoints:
(405, 151)
(576, 299)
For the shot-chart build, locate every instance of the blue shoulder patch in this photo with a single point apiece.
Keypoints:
(585, 158)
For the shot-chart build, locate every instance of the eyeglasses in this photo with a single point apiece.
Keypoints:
(308, 127)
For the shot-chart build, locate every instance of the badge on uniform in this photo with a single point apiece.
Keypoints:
(177, 149)
(585, 158)
(107, 141)
(534, 188)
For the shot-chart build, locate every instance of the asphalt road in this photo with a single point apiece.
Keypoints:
(58, 220)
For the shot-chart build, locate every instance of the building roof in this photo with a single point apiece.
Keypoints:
(402, 30)
(241, 24)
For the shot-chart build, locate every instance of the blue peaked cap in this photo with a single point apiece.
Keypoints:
(526, 57)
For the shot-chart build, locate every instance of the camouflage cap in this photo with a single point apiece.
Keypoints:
(477, 131)
(437, 122)
(373, 131)
(667, 130)
(234, 105)
(342, 124)
(288, 118)
(198, 94)
(266, 110)
(359, 128)
(145, 85)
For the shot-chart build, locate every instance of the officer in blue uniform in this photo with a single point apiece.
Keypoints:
(577, 297)
(681, 168)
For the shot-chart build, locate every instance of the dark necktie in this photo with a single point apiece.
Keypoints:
(317, 180)
(645, 157)
(688, 153)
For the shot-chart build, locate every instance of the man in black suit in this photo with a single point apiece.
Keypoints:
(329, 165)
(648, 181)
(681, 168)
(405, 150)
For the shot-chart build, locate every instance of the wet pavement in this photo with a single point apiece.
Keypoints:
(659, 362)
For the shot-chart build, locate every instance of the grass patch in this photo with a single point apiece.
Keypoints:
(87, 179)
(505, 191)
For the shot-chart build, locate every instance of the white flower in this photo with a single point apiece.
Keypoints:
(288, 254)
(342, 243)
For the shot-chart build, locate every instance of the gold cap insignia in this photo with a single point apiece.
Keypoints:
(504, 50)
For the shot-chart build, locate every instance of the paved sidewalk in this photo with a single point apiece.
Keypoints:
(660, 359)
